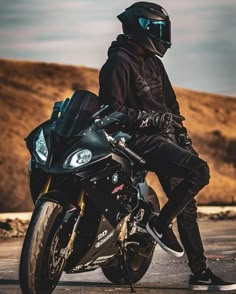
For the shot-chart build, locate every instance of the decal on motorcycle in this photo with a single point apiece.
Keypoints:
(104, 257)
(105, 239)
(103, 234)
(87, 266)
(117, 189)
(78, 267)
(93, 264)
(101, 259)
(115, 178)
(92, 267)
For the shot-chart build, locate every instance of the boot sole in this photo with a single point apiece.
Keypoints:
(212, 287)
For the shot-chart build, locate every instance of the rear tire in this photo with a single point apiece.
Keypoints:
(137, 265)
(41, 265)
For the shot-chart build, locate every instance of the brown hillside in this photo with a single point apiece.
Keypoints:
(28, 91)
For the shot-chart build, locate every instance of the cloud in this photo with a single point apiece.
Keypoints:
(79, 31)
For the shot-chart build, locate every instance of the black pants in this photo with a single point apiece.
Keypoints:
(182, 176)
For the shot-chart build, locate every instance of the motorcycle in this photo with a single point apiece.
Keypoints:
(91, 199)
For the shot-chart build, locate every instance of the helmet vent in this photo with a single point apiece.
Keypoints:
(154, 10)
(164, 11)
(158, 12)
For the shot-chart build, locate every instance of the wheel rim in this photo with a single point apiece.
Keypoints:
(55, 260)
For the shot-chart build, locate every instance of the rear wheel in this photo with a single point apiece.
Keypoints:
(139, 257)
(41, 265)
(137, 265)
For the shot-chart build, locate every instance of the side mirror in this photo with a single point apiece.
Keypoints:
(111, 119)
(102, 111)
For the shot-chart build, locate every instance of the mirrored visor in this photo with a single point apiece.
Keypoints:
(159, 29)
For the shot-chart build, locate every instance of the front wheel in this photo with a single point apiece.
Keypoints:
(41, 265)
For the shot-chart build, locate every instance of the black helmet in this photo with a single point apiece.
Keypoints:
(150, 24)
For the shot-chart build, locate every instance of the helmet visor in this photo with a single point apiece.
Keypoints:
(158, 29)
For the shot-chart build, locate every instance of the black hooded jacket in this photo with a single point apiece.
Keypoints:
(130, 82)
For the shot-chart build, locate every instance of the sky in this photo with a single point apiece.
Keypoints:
(79, 32)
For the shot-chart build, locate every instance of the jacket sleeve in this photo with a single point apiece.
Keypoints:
(114, 82)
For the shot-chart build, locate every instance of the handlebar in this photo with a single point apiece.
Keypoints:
(134, 155)
(121, 145)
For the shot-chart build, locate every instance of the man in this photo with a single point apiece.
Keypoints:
(134, 81)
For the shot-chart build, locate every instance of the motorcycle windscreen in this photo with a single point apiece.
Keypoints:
(77, 115)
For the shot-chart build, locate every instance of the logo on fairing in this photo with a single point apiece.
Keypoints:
(115, 178)
(105, 239)
(103, 234)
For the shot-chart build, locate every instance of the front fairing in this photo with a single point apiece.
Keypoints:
(92, 138)
(75, 132)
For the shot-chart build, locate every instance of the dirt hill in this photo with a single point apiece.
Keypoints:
(28, 91)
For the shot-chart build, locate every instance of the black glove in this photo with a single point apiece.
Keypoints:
(184, 140)
(160, 120)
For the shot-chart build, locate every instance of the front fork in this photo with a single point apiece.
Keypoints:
(66, 252)
(46, 186)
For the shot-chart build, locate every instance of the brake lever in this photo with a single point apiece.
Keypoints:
(121, 144)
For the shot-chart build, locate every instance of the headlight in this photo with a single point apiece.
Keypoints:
(41, 147)
(78, 158)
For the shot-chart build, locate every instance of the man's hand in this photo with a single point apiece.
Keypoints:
(159, 120)
(184, 140)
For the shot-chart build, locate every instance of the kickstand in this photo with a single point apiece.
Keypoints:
(124, 256)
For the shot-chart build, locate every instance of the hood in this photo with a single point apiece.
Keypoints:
(127, 44)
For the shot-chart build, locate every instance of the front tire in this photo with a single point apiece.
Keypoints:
(41, 265)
